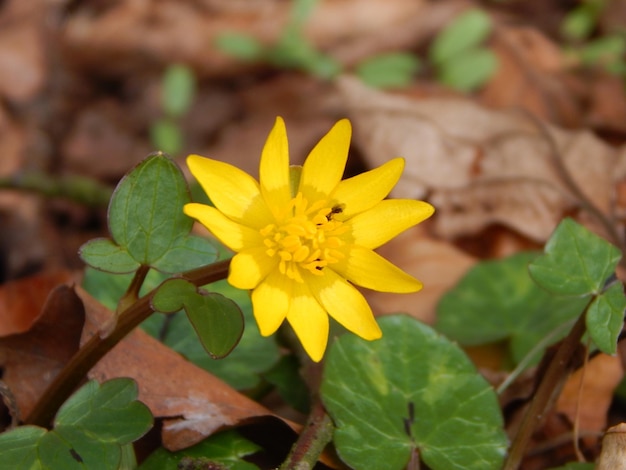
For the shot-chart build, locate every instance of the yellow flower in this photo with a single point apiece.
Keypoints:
(303, 237)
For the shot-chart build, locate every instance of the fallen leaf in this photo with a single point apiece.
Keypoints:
(22, 50)
(193, 403)
(479, 166)
(600, 377)
(22, 301)
(437, 264)
(531, 76)
(31, 360)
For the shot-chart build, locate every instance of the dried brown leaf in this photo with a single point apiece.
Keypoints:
(600, 378)
(22, 301)
(193, 403)
(481, 167)
(437, 264)
(30, 360)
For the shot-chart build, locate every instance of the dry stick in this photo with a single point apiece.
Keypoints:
(97, 346)
(559, 368)
(556, 159)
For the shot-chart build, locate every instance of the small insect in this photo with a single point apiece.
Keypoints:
(336, 209)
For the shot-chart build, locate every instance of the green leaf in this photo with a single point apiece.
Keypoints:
(217, 320)
(285, 376)
(110, 411)
(107, 288)
(226, 448)
(388, 70)
(187, 253)
(605, 318)
(166, 136)
(103, 254)
(18, 448)
(145, 215)
(576, 466)
(577, 262)
(468, 71)
(179, 87)
(241, 46)
(241, 369)
(604, 51)
(497, 300)
(91, 431)
(578, 24)
(417, 392)
(465, 32)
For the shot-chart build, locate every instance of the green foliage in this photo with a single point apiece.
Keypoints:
(107, 288)
(227, 449)
(576, 466)
(605, 318)
(498, 300)
(241, 46)
(411, 391)
(469, 71)
(253, 356)
(292, 50)
(388, 70)
(91, 431)
(579, 263)
(580, 22)
(148, 225)
(178, 89)
(166, 135)
(217, 320)
(461, 61)
(465, 32)
(285, 376)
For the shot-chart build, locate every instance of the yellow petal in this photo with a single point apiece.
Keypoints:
(231, 190)
(387, 219)
(249, 267)
(364, 191)
(323, 168)
(270, 302)
(344, 303)
(309, 321)
(274, 169)
(368, 269)
(235, 236)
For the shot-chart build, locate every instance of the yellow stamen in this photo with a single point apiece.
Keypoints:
(308, 238)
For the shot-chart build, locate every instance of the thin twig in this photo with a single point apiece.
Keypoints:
(558, 369)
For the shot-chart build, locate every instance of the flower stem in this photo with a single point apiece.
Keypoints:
(558, 369)
(317, 432)
(97, 346)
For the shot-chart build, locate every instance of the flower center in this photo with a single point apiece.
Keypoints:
(308, 238)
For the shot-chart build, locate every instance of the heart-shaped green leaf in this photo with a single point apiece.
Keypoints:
(577, 262)
(145, 214)
(498, 300)
(90, 431)
(241, 369)
(418, 395)
(104, 255)
(218, 321)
